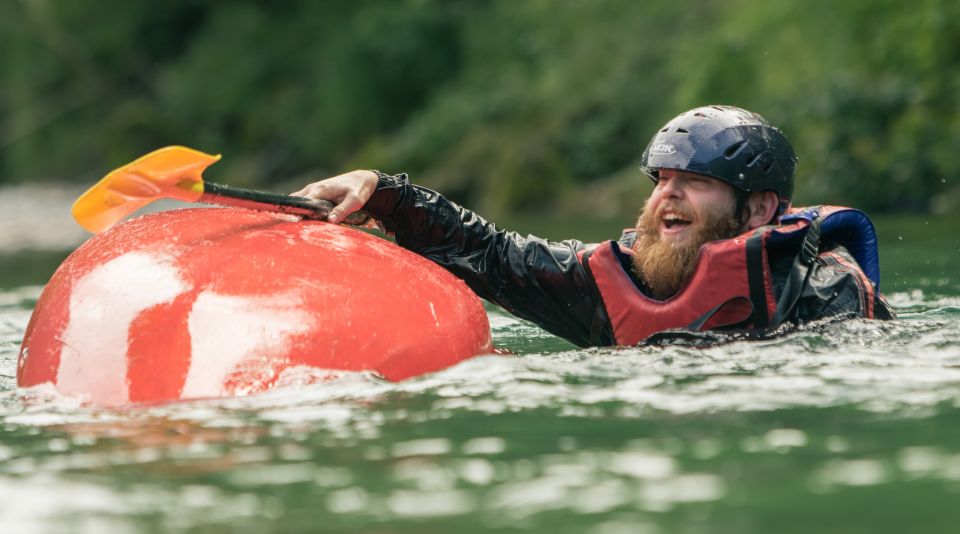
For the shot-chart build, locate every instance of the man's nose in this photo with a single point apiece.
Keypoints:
(672, 188)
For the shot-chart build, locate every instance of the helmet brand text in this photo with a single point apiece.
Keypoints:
(663, 148)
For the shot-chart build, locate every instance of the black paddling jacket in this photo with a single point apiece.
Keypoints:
(819, 263)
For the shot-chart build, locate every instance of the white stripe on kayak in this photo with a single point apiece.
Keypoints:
(103, 304)
(249, 334)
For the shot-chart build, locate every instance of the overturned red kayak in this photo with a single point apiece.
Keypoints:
(219, 302)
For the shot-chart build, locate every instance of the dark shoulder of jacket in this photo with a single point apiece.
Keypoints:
(837, 287)
(628, 237)
(881, 308)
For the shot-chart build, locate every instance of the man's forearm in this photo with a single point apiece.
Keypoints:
(528, 276)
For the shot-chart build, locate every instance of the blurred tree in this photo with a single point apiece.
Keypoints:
(503, 105)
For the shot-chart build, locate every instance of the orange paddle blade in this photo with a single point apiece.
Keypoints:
(172, 172)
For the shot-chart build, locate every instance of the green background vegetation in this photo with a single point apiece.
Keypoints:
(507, 106)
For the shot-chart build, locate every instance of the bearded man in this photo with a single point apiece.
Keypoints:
(717, 245)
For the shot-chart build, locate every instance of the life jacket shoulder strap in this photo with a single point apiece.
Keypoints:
(756, 267)
(849, 227)
(799, 272)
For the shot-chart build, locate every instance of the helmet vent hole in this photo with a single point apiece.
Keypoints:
(766, 170)
(733, 149)
(663, 130)
(681, 130)
(753, 160)
(698, 114)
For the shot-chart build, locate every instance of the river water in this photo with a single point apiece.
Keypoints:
(836, 428)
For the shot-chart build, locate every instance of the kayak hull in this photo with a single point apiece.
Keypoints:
(212, 302)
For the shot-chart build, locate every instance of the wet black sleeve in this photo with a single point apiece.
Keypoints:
(540, 281)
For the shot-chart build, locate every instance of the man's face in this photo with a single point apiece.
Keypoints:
(684, 211)
(683, 202)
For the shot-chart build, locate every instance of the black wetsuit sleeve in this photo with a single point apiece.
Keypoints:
(540, 281)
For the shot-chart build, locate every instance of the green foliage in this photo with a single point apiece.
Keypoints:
(503, 105)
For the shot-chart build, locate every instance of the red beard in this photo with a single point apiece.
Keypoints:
(666, 266)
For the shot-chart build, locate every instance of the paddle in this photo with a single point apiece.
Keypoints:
(174, 172)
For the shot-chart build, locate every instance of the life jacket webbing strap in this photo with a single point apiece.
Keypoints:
(755, 270)
(702, 320)
(799, 273)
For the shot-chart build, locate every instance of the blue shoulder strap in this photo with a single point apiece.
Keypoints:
(848, 227)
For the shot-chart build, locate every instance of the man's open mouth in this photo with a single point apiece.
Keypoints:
(672, 220)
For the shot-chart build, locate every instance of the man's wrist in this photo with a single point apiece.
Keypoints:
(387, 180)
(389, 192)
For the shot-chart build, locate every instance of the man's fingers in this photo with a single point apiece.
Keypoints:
(316, 191)
(350, 204)
(348, 191)
(309, 190)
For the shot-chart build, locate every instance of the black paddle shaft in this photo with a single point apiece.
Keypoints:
(259, 200)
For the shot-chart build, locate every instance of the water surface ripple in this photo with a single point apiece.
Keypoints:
(838, 427)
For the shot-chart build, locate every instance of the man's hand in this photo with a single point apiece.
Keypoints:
(349, 192)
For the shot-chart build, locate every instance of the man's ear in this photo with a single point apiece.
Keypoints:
(761, 206)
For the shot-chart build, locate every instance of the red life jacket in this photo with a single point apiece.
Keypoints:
(732, 285)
